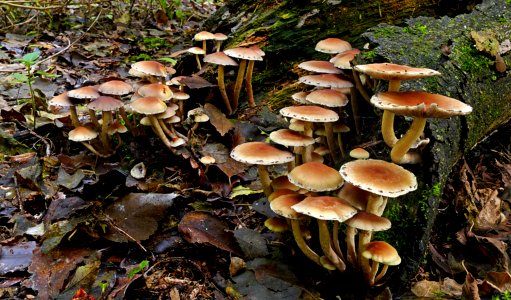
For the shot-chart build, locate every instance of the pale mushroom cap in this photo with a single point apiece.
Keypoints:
(158, 90)
(196, 50)
(173, 120)
(326, 80)
(116, 127)
(169, 112)
(282, 206)
(321, 150)
(82, 134)
(343, 60)
(115, 87)
(355, 196)
(325, 208)
(420, 104)
(328, 97)
(148, 105)
(332, 45)
(319, 66)
(276, 224)
(85, 92)
(207, 160)
(290, 138)
(258, 50)
(370, 222)
(243, 53)
(300, 97)
(315, 177)
(105, 103)
(359, 153)
(61, 100)
(220, 58)
(220, 36)
(204, 35)
(381, 252)
(282, 182)
(297, 125)
(281, 192)
(260, 153)
(379, 177)
(388, 71)
(310, 113)
(181, 96)
(150, 67)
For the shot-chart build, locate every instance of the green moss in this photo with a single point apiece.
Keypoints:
(417, 29)
(473, 62)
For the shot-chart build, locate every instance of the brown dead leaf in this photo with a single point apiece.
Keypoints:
(501, 281)
(426, 288)
(196, 82)
(202, 227)
(232, 167)
(218, 119)
(470, 290)
(505, 171)
(489, 215)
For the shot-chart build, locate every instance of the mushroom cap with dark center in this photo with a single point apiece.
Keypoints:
(379, 177)
(290, 138)
(325, 208)
(105, 103)
(370, 222)
(328, 97)
(115, 87)
(148, 105)
(388, 71)
(158, 90)
(300, 97)
(260, 153)
(315, 177)
(381, 252)
(319, 66)
(420, 104)
(82, 134)
(343, 60)
(244, 53)
(282, 206)
(326, 80)
(204, 36)
(85, 92)
(220, 58)
(150, 67)
(332, 46)
(310, 113)
(61, 100)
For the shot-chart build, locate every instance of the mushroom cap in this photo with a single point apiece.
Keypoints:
(181, 96)
(321, 150)
(169, 112)
(105, 103)
(173, 120)
(260, 153)
(332, 46)
(325, 208)
(282, 206)
(355, 196)
(282, 182)
(327, 97)
(299, 97)
(326, 80)
(61, 100)
(116, 127)
(158, 90)
(244, 53)
(370, 222)
(388, 71)
(258, 50)
(203, 36)
(359, 153)
(381, 252)
(343, 60)
(297, 125)
(319, 66)
(281, 192)
(220, 36)
(115, 87)
(150, 67)
(220, 58)
(85, 92)
(290, 138)
(207, 160)
(82, 134)
(196, 50)
(315, 177)
(148, 106)
(276, 224)
(310, 113)
(379, 177)
(420, 104)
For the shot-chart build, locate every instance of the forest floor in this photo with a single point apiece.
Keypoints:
(71, 221)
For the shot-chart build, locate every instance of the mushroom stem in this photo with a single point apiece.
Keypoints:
(326, 246)
(382, 273)
(218, 44)
(360, 86)
(387, 128)
(166, 129)
(351, 251)
(307, 150)
(341, 144)
(238, 84)
(124, 116)
(364, 237)
(403, 145)
(223, 91)
(248, 83)
(394, 85)
(264, 177)
(354, 109)
(93, 118)
(329, 132)
(300, 242)
(335, 240)
(89, 146)
(105, 139)
(198, 61)
(74, 116)
(374, 269)
(159, 131)
(204, 47)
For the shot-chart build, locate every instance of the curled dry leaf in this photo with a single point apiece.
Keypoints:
(218, 119)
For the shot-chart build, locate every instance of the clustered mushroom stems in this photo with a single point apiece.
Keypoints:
(159, 131)
(326, 246)
(93, 118)
(387, 122)
(94, 151)
(239, 82)
(329, 132)
(74, 116)
(360, 87)
(105, 139)
(302, 245)
(307, 150)
(399, 153)
(124, 116)
(354, 110)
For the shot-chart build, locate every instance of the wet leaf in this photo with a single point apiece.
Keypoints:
(196, 82)
(83, 277)
(232, 167)
(57, 231)
(251, 242)
(202, 227)
(137, 214)
(218, 119)
(470, 290)
(63, 208)
(70, 181)
(218, 151)
(243, 191)
(16, 257)
(489, 215)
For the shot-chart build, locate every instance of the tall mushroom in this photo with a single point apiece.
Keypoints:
(63, 100)
(204, 36)
(88, 93)
(106, 105)
(221, 59)
(118, 88)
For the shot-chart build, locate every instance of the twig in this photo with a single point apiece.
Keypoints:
(11, 4)
(22, 23)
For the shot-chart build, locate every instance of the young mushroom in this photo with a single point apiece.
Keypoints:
(204, 36)
(63, 100)
(106, 105)
(84, 134)
(89, 93)
(380, 253)
(150, 69)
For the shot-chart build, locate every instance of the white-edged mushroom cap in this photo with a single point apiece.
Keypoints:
(370, 222)
(158, 90)
(327, 97)
(82, 134)
(389, 71)
(85, 92)
(220, 58)
(290, 138)
(148, 105)
(310, 113)
(326, 80)
(332, 46)
(260, 153)
(244, 53)
(115, 87)
(315, 177)
(319, 66)
(204, 36)
(343, 60)
(105, 103)
(325, 208)
(381, 252)
(150, 67)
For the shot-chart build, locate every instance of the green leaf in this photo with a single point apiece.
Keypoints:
(168, 60)
(29, 58)
(138, 269)
(242, 190)
(50, 75)
(18, 77)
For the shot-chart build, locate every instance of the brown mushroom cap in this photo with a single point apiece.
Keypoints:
(326, 80)
(204, 35)
(315, 177)
(158, 90)
(282, 206)
(370, 222)
(355, 196)
(282, 182)
(148, 105)
(300, 97)
(61, 100)
(290, 138)
(115, 87)
(327, 97)
(276, 224)
(196, 50)
(105, 103)
(319, 66)
(325, 208)
(332, 46)
(260, 153)
(381, 252)
(388, 71)
(82, 134)
(310, 113)
(220, 36)
(85, 92)
(359, 153)
(244, 53)
(343, 60)
(379, 177)
(220, 58)
(420, 104)
(150, 67)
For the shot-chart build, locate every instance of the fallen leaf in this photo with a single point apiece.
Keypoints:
(251, 242)
(489, 215)
(196, 82)
(16, 258)
(470, 290)
(218, 119)
(426, 288)
(69, 181)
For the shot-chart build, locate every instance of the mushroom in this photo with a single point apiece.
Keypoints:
(276, 224)
(219, 37)
(261, 154)
(62, 100)
(420, 106)
(204, 36)
(315, 177)
(359, 153)
(248, 75)
(380, 252)
(118, 88)
(151, 69)
(319, 66)
(332, 46)
(197, 51)
(291, 138)
(159, 90)
(221, 59)
(106, 105)
(87, 92)
(84, 134)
